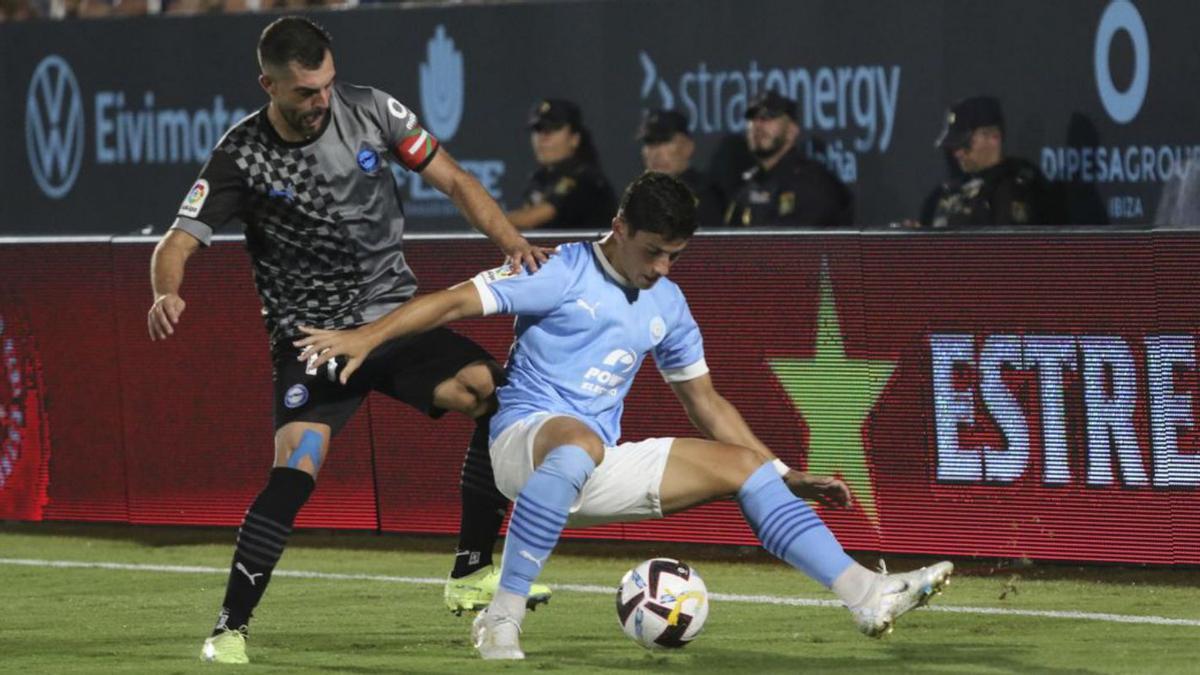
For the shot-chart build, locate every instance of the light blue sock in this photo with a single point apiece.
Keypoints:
(789, 528)
(540, 513)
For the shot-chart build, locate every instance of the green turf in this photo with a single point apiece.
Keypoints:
(90, 620)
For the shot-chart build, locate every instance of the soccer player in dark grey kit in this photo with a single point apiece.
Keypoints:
(308, 177)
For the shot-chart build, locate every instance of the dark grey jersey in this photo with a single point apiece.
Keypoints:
(322, 218)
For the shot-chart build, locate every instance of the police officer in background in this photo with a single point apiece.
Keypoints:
(667, 147)
(568, 190)
(786, 188)
(992, 189)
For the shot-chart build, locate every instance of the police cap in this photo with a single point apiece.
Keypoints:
(966, 116)
(660, 126)
(771, 103)
(550, 114)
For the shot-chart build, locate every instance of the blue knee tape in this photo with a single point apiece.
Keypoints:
(310, 447)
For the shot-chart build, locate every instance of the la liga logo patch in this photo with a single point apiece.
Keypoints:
(195, 199)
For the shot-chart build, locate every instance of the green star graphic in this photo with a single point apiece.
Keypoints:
(835, 394)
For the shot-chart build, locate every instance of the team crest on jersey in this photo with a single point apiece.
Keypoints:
(494, 275)
(194, 200)
(296, 396)
(658, 329)
(368, 160)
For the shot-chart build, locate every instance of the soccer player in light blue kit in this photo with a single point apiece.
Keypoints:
(585, 321)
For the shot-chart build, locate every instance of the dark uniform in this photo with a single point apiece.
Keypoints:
(324, 228)
(796, 192)
(1011, 193)
(582, 197)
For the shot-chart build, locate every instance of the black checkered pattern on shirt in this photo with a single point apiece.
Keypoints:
(305, 264)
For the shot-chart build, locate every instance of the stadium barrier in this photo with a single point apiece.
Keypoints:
(992, 394)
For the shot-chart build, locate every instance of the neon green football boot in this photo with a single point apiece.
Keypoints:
(228, 646)
(474, 591)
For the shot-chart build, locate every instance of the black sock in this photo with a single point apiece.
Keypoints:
(483, 507)
(260, 543)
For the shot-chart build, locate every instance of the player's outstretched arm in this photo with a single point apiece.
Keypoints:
(166, 276)
(715, 417)
(482, 211)
(415, 316)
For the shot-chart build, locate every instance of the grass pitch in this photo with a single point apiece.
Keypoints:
(148, 619)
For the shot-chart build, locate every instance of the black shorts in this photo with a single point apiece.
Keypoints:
(408, 370)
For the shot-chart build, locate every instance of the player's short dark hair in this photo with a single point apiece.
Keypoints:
(293, 38)
(660, 204)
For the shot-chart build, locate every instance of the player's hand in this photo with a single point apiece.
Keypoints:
(163, 315)
(523, 254)
(324, 345)
(825, 490)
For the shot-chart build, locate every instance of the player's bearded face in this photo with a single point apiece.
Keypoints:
(302, 96)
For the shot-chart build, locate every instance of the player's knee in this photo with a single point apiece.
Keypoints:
(471, 391)
(740, 463)
(300, 448)
(478, 383)
(564, 430)
(590, 444)
(595, 450)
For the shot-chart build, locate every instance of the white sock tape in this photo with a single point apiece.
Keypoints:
(781, 468)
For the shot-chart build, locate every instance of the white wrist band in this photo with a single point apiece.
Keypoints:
(781, 468)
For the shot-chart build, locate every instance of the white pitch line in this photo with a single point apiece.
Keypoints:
(603, 590)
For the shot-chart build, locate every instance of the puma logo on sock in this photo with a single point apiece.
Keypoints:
(242, 568)
(530, 557)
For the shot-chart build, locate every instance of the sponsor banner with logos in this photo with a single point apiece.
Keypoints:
(990, 395)
(98, 138)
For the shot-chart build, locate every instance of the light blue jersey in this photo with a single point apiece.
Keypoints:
(581, 335)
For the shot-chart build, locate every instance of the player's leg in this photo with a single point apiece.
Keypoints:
(474, 578)
(562, 453)
(439, 371)
(300, 449)
(309, 409)
(471, 391)
(698, 471)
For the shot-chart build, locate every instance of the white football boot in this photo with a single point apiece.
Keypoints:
(497, 636)
(893, 595)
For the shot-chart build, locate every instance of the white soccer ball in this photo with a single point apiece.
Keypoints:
(662, 604)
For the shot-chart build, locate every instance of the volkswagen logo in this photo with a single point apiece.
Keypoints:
(54, 126)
